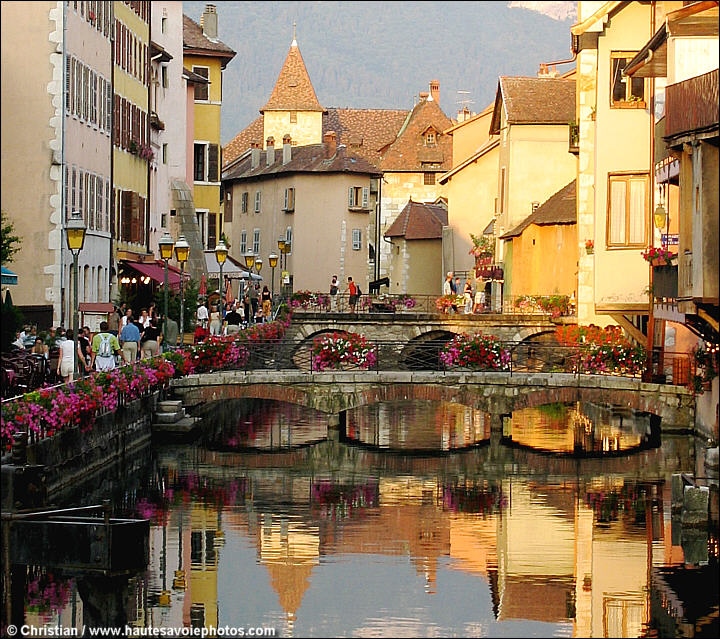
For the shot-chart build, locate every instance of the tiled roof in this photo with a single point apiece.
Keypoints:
(534, 101)
(409, 151)
(194, 40)
(293, 90)
(311, 158)
(365, 132)
(418, 221)
(242, 141)
(559, 208)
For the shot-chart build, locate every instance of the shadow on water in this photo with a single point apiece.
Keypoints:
(408, 520)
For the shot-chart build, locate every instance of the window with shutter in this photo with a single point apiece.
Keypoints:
(202, 89)
(359, 197)
(243, 242)
(256, 241)
(289, 200)
(258, 197)
(244, 202)
(356, 239)
(213, 164)
(199, 163)
(365, 197)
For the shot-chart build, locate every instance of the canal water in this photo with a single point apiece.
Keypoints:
(409, 519)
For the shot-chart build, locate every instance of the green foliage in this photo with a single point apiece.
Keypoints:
(12, 321)
(9, 242)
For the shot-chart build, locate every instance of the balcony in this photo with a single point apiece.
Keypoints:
(691, 106)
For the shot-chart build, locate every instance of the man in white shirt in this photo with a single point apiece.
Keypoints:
(202, 315)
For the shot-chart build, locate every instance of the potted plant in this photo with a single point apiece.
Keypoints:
(657, 256)
(589, 247)
(483, 249)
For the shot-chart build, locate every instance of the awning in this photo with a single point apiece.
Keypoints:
(231, 269)
(156, 271)
(9, 278)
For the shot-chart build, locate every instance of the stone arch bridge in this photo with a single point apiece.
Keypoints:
(409, 327)
(498, 393)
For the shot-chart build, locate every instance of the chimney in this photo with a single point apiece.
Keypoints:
(209, 22)
(270, 145)
(254, 155)
(435, 90)
(424, 95)
(330, 141)
(287, 146)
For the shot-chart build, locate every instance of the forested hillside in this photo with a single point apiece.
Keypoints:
(381, 54)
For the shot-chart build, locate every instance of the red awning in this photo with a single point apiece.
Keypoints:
(156, 271)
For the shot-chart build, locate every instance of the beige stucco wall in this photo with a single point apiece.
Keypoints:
(414, 266)
(471, 205)
(544, 260)
(307, 129)
(321, 227)
(30, 124)
(537, 164)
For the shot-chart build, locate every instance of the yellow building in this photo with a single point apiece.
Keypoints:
(206, 56)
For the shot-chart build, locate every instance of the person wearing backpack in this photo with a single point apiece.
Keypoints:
(105, 346)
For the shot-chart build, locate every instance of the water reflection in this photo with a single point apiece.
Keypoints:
(335, 539)
(582, 427)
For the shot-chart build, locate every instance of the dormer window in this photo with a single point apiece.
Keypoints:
(430, 139)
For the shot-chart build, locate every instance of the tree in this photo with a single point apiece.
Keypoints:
(9, 243)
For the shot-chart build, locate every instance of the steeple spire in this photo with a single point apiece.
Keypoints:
(294, 40)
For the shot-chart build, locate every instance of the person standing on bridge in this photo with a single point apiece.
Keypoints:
(353, 294)
(333, 293)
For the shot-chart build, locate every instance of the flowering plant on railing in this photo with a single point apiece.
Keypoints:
(337, 349)
(447, 302)
(307, 299)
(476, 351)
(603, 350)
(657, 255)
(406, 300)
(146, 152)
(219, 352)
(483, 245)
(49, 410)
(706, 366)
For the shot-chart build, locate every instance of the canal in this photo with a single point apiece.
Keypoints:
(408, 519)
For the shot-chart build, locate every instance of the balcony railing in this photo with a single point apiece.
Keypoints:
(691, 105)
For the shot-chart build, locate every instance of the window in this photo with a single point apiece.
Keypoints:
(243, 242)
(244, 202)
(356, 239)
(164, 153)
(256, 241)
(202, 89)
(205, 162)
(212, 230)
(199, 163)
(430, 138)
(358, 197)
(428, 179)
(289, 200)
(625, 90)
(293, 117)
(627, 210)
(164, 76)
(258, 198)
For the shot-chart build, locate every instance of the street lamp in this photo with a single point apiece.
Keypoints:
(660, 216)
(258, 264)
(166, 244)
(182, 253)
(221, 253)
(75, 234)
(273, 260)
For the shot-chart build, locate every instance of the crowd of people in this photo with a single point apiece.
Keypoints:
(474, 301)
(229, 318)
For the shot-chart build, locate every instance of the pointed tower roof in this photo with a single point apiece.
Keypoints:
(293, 90)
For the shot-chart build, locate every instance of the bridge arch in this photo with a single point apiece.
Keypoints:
(496, 393)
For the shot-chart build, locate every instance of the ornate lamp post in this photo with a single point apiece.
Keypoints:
(182, 253)
(166, 244)
(258, 264)
(75, 234)
(273, 260)
(221, 253)
(660, 217)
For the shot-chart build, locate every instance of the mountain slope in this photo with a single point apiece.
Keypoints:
(382, 54)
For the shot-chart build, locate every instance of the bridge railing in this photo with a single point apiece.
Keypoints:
(314, 302)
(522, 357)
